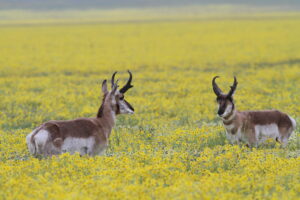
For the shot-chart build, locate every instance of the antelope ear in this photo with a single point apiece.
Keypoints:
(104, 87)
(115, 87)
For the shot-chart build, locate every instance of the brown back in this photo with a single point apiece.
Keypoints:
(268, 117)
(81, 128)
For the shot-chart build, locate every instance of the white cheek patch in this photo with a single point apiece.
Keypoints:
(124, 108)
(227, 110)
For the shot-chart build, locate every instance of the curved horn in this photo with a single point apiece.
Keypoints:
(232, 88)
(216, 88)
(128, 84)
(113, 80)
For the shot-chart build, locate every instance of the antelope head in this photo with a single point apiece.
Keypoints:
(115, 98)
(225, 101)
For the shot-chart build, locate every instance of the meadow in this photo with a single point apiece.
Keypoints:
(174, 146)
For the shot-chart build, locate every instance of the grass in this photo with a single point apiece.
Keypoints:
(174, 146)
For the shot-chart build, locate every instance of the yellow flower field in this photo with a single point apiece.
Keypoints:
(174, 146)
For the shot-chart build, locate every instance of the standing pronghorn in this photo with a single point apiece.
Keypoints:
(83, 135)
(252, 127)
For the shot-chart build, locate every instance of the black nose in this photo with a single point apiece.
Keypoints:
(220, 112)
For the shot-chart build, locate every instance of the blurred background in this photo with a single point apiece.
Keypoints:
(112, 4)
(124, 10)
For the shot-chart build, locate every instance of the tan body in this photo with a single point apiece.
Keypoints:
(254, 127)
(84, 135)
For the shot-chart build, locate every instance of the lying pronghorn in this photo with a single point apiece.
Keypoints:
(83, 135)
(252, 127)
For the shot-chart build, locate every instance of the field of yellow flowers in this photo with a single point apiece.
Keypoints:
(174, 146)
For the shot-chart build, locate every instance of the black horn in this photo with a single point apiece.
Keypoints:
(128, 84)
(216, 88)
(113, 80)
(232, 88)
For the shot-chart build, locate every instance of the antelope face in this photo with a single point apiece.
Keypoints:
(115, 98)
(225, 101)
(123, 107)
(225, 105)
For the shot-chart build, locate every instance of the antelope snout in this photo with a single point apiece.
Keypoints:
(220, 112)
(131, 112)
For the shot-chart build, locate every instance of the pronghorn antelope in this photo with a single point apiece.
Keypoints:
(252, 127)
(83, 135)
